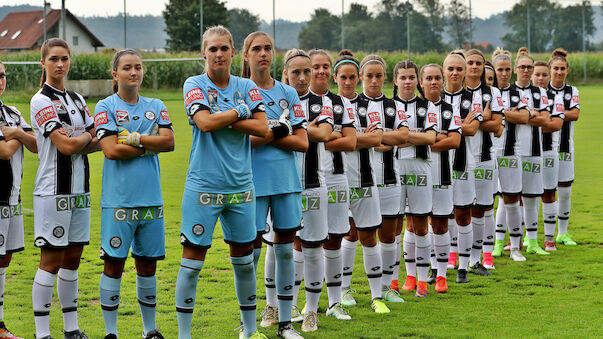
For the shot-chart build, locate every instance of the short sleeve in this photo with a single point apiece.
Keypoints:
(253, 97)
(104, 120)
(544, 104)
(432, 117)
(349, 114)
(575, 102)
(401, 120)
(456, 123)
(24, 125)
(45, 115)
(296, 113)
(194, 98)
(163, 120)
(496, 102)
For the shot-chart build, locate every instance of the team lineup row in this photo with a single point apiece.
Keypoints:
(291, 164)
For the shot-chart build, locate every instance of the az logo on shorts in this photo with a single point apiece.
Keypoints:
(549, 162)
(507, 162)
(531, 167)
(565, 156)
(337, 197)
(362, 192)
(484, 174)
(310, 203)
(457, 175)
(74, 201)
(413, 180)
(138, 214)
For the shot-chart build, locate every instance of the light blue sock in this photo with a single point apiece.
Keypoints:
(146, 291)
(186, 293)
(257, 253)
(285, 278)
(109, 298)
(245, 286)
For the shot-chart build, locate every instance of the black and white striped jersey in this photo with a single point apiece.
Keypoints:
(449, 121)
(462, 157)
(11, 170)
(58, 173)
(509, 143)
(531, 136)
(561, 100)
(421, 116)
(310, 163)
(481, 143)
(361, 163)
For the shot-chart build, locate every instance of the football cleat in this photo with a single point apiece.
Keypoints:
(379, 306)
(517, 256)
(461, 276)
(549, 246)
(269, 316)
(338, 312)
(5, 333)
(451, 260)
(288, 332)
(499, 246)
(347, 299)
(410, 284)
(392, 296)
(110, 336)
(441, 286)
(479, 269)
(433, 273)
(488, 261)
(154, 334)
(565, 239)
(534, 248)
(394, 285)
(421, 289)
(310, 321)
(258, 335)
(77, 334)
(296, 317)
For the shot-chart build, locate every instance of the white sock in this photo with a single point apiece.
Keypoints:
(488, 231)
(270, 277)
(298, 261)
(348, 251)
(441, 243)
(422, 248)
(501, 221)
(388, 257)
(454, 235)
(67, 290)
(465, 243)
(530, 214)
(2, 282)
(372, 266)
(565, 205)
(549, 215)
(41, 295)
(314, 274)
(409, 253)
(432, 254)
(396, 274)
(514, 223)
(478, 240)
(333, 273)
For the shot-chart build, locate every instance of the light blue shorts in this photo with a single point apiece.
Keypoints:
(285, 210)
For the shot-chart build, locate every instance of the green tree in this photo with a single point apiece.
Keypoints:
(358, 27)
(568, 26)
(433, 10)
(182, 22)
(242, 22)
(542, 20)
(322, 31)
(459, 23)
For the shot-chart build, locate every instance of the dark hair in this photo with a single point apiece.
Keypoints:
(346, 56)
(559, 53)
(474, 51)
(541, 63)
(115, 62)
(406, 64)
(245, 69)
(489, 65)
(52, 42)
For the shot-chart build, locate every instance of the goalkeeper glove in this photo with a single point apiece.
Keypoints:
(126, 138)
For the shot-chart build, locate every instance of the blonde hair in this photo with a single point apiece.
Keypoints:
(373, 58)
(217, 30)
(559, 53)
(501, 54)
(292, 53)
(245, 69)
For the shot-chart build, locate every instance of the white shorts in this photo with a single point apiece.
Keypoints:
(497, 188)
(12, 238)
(389, 200)
(484, 183)
(314, 216)
(338, 208)
(416, 186)
(463, 188)
(566, 167)
(364, 205)
(531, 169)
(443, 206)
(61, 220)
(509, 174)
(550, 170)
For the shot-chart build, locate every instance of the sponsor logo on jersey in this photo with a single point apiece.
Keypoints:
(374, 117)
(192, 95)
(298, 111)
(560, 108)
(457, 120)
(59, 106)
(477, 108)
(100, 119)
(575, 99)
(138, 214)
(524, 100)
(255, 95)
(122, 117)
(218, 199)
(545, 100)
(45, 114)
(165, 116)
(326, 110)
(432, 118)
(351, 113)
(500, 101)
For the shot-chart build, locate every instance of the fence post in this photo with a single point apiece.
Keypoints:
(155, 79)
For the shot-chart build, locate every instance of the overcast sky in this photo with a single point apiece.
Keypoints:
(285, 9)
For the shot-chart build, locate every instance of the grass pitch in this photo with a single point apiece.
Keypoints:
(553, 296)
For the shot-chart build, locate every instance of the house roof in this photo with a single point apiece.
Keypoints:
(21, 30)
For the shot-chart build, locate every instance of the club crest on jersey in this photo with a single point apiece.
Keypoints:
(192, 95)
(432, 118)
(390, 111)
(351, 113)
(338, 109)
(477, 108)
(255, 95)
(115, 242)
(515, 98)
(536, 96)
(59, 106)
(421, 111)
(150, 115)
(487, 97)
(446, 114)
(165, 116)
(45, 114)
(361, 111)
(374, 117)
(315, 108)
(198, 229)
(466, 104)
(122, 117)
(567, 96)
(283, 103)
(100, 119)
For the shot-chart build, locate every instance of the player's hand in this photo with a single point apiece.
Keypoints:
(372, 128)
(155, 130)
(283, 129)
(487, 113)
(243, 111)
(126, 138)
(10, 132)
(470, 117)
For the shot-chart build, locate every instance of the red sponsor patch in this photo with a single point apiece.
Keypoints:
(500, 102)
(122, 115)
(255, 95)
(298, 112)
(559, 108)
(351, 113)
(457, 120)
(100, 119)
(432, 118)
(45, 114)
(477, 108)
(87, 111)
(374, 117)
(545, 100)
(524, 100)
(165, 116)
(401, 114)
(192, 95)
(575, 99)
(326, 110)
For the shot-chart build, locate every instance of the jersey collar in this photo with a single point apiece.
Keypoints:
(474, 89)
(379, 98)
(455, 93)
(415, 98)
(551, 87)
(521, 87)
(54, 90)
(306, 96)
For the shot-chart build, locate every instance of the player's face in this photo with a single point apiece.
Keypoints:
(347, 79)
(541, 76)
(454, 71)
(57, 62)
(489, 77)
(432, 81)
(2, 78)
(129, 71)
(218, 52)
(406, 80)
(559, 71)
(298, 72)
(475, 66)
(259, 54)
(503, 72)
(321, 71)
(524, 69)
(373, 76)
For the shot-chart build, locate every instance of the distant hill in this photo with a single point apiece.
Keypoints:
(286, 32)
(146, 32)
